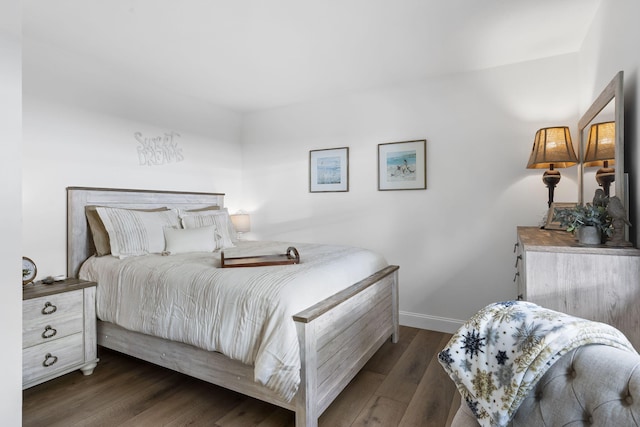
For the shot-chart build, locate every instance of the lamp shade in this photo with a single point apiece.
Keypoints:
(601, 145)
(552, 148)
(241, 222)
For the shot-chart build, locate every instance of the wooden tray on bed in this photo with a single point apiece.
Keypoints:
(291, 257)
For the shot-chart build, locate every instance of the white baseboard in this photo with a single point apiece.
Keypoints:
(433, 323)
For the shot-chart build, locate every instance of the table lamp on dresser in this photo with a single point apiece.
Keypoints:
(552, 148)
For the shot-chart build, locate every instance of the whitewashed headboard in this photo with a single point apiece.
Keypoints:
(79, 241)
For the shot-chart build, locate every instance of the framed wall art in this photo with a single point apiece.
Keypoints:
(329, 170)
(402, 165)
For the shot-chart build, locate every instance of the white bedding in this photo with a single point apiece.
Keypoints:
(244, 313)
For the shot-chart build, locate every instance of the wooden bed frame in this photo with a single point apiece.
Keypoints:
(337, 336)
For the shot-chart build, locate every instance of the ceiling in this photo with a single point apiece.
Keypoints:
(249, 55)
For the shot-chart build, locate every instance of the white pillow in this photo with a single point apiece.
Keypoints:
(220, 219)
(180, 240)
(136, 233)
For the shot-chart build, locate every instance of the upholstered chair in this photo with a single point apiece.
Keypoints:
(593, 385)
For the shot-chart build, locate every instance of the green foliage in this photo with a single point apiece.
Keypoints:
(584, 215)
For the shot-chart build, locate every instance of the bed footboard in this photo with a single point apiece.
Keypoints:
(338, 336)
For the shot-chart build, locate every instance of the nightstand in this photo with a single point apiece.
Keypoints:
(58, 330)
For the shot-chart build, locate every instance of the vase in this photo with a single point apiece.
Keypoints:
(589, 235)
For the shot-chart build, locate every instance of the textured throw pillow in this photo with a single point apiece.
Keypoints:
(136, 233)
(99, 233)
(180, 240)
(220, 219)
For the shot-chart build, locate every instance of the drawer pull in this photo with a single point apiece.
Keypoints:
(518, 258)
(49, 332)
(49, 360)
(515, 247)
(516, 276)
(49, 308)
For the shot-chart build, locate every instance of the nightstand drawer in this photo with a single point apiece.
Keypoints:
(49, 358)
(51, 317)
(59, 328)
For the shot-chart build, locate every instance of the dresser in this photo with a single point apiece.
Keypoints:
(58, 330)
(594, 282)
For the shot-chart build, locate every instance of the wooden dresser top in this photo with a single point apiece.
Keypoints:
(540, 240)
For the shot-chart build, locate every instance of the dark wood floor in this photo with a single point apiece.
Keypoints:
(402, 385)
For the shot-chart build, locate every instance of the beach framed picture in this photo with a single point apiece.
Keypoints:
(329, 170)
(402, 165)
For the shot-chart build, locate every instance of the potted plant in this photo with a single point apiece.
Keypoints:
(591, 223)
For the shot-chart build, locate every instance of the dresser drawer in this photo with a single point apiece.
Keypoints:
(52, 357)
(519, 277)
(51, 317)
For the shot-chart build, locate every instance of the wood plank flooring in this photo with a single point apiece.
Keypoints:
(402, 385)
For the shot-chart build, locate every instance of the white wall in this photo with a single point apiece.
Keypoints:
(78, 132)
(453, 241)
(10, 191)
(610, 46)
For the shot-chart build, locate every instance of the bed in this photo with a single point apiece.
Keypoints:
(336, 335)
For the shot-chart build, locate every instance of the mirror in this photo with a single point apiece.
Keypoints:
(603, 119)
(598, 147)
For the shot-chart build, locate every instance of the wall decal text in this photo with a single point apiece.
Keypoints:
(158, 150)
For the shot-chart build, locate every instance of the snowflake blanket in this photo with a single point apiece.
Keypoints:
(499, 354)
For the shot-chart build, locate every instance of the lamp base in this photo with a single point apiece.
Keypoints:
(604, 177)
(551, 178)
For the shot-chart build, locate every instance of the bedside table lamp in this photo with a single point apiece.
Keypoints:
(601, 151)
(552, 148)
(241, 222)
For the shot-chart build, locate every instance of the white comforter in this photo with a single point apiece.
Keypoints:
(244, 313)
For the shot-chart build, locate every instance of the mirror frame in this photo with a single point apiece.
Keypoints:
(613, 91)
